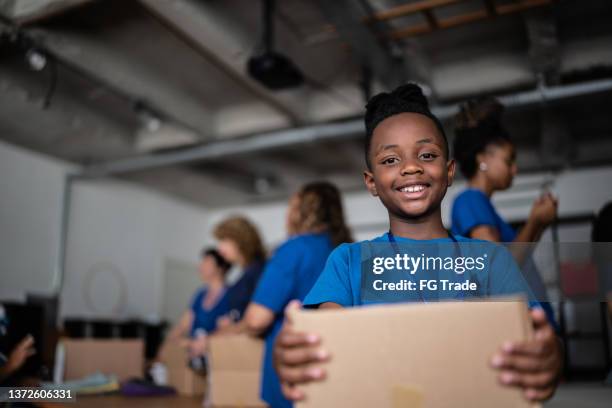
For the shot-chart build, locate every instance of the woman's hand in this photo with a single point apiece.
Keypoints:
(198, 346)
(544, 210)
(294, 354)
(18, 356)
(533, 365)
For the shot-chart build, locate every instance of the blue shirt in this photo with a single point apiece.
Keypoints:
(289, 274)
(341, 280)
(240, 293)
(473, 208)
(206, 319)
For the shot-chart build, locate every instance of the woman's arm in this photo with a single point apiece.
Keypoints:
(257, 319)
(181, 329)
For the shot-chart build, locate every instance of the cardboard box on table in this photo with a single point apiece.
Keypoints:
(122, 358)
(234, 363)
(414, 355)
(186, 381)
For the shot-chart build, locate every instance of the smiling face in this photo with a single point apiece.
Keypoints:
(409, 168)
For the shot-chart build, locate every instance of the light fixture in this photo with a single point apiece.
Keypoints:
(36, 59)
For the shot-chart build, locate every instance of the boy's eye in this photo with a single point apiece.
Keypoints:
(428, 156)
(389, 160)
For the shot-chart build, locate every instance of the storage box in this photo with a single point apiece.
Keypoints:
(122, 358)
(414, 355)
(235, 371)
(186, 381)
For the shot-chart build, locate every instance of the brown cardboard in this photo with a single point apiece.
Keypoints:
(186, 381)
(122, 358)
(235, 367)
(414, 355)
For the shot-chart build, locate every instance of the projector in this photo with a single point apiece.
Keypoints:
(274, 71)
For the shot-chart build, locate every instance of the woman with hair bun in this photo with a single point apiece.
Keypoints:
(486, 157)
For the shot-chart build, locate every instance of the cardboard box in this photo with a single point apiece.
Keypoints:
(122, 358)
(414, 355)
(186, 381)
(235, 371)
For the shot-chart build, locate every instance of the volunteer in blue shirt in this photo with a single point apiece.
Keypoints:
(208, 304)
(240, 243)
(315, 223)
(487, 158)
(409, 170)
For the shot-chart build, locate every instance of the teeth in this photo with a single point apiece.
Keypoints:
(413, 189)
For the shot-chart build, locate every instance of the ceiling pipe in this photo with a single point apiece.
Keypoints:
(319, 133)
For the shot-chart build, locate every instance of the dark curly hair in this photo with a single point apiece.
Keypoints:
(320, 208)
(407, 98)
(477, 126)
(219, 259)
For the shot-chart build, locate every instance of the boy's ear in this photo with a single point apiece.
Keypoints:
(368, 178)
(450, 168)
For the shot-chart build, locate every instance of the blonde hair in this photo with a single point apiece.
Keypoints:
(245, 235)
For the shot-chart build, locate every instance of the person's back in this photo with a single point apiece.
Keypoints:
(315, 223)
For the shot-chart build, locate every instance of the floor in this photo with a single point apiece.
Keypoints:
(575, 395)
(582, 395)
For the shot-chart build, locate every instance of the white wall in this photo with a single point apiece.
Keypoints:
(119, 242)
(121, 238)
(30, 209)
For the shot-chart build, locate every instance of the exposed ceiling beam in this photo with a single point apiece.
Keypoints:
(94, 58)
(346, 18)
(205, 27)
(24, 12)
(318, 133)
(426, 7)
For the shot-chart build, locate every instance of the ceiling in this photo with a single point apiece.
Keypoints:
(156, 92)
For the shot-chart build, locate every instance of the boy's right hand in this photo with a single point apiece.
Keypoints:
(295, 355)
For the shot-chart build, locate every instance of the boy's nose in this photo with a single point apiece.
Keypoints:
(411, 167)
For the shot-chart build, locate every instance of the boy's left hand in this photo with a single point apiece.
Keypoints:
(533, 365)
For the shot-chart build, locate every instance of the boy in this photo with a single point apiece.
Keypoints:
(409, 169)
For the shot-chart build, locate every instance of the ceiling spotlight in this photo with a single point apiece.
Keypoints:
(149, 119)
(36, 59)
(153, 123)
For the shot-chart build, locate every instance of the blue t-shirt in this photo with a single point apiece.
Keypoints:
(239, 294)
(473, 208)
(341, 280)
(289, 274)
(206, 319)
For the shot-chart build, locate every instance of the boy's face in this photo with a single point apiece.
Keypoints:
(410, 172)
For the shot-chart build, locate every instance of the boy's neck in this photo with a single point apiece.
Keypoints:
(429, 227)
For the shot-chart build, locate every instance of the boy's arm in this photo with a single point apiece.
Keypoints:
(295, 352)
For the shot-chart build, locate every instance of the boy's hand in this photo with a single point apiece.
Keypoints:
(533, 365)
(294, 354)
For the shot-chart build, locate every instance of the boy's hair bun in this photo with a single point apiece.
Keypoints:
(412, 93)
(408, 98)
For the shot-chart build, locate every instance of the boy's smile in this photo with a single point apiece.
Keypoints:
(410, 172)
